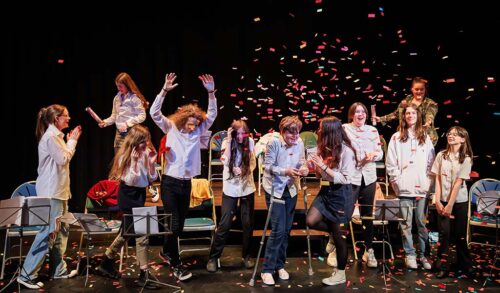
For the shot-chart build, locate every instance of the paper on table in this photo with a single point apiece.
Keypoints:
(93, 114)
(140, 224)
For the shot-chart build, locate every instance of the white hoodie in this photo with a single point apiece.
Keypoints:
(409, 164)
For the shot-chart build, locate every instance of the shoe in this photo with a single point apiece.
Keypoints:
(267, 278)
(164, 257)
(330, 247)
(143, 281)
(248, 262)
(442, 274)
(30, 284)
(411, 262)
(283, 274)
(425, 263)
(332, 259)
(181, 273)
(107, 269)
(337, 277)
(212, 265)
(369, 258)
(67, 275)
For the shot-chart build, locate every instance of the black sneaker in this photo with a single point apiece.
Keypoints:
(181, 273)
(107, 269)
(248, 262)
(146, 283)
(212, 265)
(30, 284)
(164, 257)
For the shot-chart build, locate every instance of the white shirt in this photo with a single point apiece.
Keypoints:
(183, 156)
(128, 110)
(237, 186)
(143, 175)
(279, 157)
(409, 165)
(342, 174)
(449, 170)
(364, 139)
(54, 156)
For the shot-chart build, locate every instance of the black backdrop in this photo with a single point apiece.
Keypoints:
(72, 57)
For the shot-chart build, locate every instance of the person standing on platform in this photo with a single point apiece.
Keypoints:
(336, 162)
(54, 156)
(409, 159)
(420, 97)
(452, 167)
(284, 163)
(129, 108)
(183, 161)
(134, 165)
(237, 185)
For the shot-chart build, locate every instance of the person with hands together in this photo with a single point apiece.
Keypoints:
(237, 186)
(129, 108)
(183, 160)
(284, 163)
(54, 156)
(452, 167)
(134, 165)
(335, 161)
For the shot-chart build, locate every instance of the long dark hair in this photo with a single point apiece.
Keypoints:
(331, 135)
(403, 126)
(465, 148)
(243, 148)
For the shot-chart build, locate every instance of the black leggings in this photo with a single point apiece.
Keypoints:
(316, 221)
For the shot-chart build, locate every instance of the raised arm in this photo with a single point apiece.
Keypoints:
(155, 111)
(209, 84)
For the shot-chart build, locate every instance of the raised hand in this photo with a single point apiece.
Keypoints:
(169, 82)
(208, 82)
(75, 133)
(229, 131)
(152, 156)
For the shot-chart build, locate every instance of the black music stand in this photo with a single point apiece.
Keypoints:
(23, 212)
(388, 210)
(147, 223)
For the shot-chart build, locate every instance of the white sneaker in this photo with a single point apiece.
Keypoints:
(369, 258)
(29, 283)
(411, 262)
(425, 263)
(330, 247)
(267, 278)
(284, 275)
(332, 259)
(69, 275)
(337, 277)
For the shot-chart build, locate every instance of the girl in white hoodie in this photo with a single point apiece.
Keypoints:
(409, 159)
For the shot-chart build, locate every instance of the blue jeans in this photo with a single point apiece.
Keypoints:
(408, 205)
(281, 224)
(43, 243)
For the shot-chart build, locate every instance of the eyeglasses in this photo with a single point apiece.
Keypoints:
(64, 115)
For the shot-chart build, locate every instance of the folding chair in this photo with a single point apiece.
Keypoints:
(356, 219)
(487, 186)
(381, 165)
(215, 146)
(26, 189)
(200, 218)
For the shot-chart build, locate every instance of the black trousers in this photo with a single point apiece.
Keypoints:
(365, 194)
(228, 210)
(175, 195)
(459, 227)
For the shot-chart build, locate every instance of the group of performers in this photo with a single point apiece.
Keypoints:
(345, 157)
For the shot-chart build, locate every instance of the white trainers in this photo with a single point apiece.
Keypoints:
(425, 263)
(411, 262)
(69, 275)
(29, 283)
(330, 247)
(267, 278)
(283, 275)
(369, 258)
(332, 259)
(337, 277)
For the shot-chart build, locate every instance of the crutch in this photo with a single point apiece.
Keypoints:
(273, 200)
(311, 272)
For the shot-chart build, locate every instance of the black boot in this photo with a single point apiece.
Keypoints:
(248, 262)
(212, 265)
(107, 269)
(143, 282)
